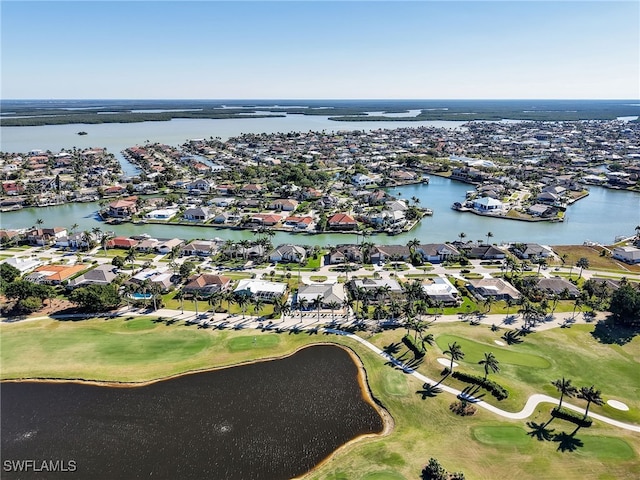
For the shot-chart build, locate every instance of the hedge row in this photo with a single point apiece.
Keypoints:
(492, 387)
(418, 350)
(571, 416)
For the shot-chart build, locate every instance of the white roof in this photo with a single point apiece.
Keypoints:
(255, 286)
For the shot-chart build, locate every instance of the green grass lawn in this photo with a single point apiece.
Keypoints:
(483, 446)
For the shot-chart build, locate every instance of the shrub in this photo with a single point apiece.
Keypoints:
(498, 391)
(571, 416)
(418, 350)
(462, 408)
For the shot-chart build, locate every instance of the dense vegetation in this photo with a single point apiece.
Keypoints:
(122, 111)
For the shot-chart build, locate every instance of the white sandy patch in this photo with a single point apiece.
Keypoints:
(446, 362)
(498, 342)
(617, 405)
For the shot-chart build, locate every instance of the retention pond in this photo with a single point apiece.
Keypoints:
(269, 420)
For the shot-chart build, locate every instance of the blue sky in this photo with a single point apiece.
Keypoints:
(320, 49)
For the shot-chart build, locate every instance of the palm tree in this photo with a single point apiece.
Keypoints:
(131, 255)
(489, 235)
(39, 221)
(333, 306)
(180, 296)
(488, 302)
(591, 395)
(258, 304)
(74, 227)
(104, 240)
(302, 304)
(412, 244)
(583, 263)
(490, 362)
(565, 388)
(242, 300)
(455, 352)
(317, 304)
(461, 235)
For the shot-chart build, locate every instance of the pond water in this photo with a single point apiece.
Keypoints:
(269, 420)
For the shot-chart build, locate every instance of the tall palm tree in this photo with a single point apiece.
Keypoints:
(489, 362)
(591, 395)
(258, 305)
(39, 221)
(180, 296)
(565, 388)
(302, 304)
(242, 301)
(131, 256)
(455, 352)
(489, 235)
(317, 304)
(583, 263)
(74, 227)
(412, 244)
(104, 240)
(461, 235)
(333, 306)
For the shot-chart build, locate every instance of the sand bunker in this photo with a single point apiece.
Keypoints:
(446, 362)
(498, 342)
(617, 405)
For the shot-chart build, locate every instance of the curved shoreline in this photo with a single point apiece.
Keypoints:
(388, 423)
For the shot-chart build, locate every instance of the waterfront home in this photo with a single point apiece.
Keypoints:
(161, 214)
(288, 253)
(493, 287)
(54, 274)
(539, 210)
(197, 214)
(345, 253)
(268, 220)
(388, 219)
(168, 245)
(486, 252)
(45, 236)
(384, 253)
(437, 252)
(488, 205)
(558, 286)
(12, 188)
(226, 217)
(122, 242)
(328, 293)
(147, 244)
(627, 254)
(8, 236)
(342, 221)
(525, 251)
(440, 289)
(261, 289)
(101, 275)
(283, 204)
(207, 284)
(362, 180)
(201, 248)
(122, 208)
(298, 223)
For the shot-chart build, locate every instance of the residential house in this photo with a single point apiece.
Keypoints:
(45, 236)
(197, 214)
(298, 223)
(261, 289)
(206, 284)
(161, 214)
(486, 252)
(627, 254)
(168, 245)
(203, 185)
(122, 208)
(54, 274)
(147, 244)
(361, 180)
(101, 275)
(488, 205)
(23, 264)
(122, 242)
(201, 248)
(267, 220)
(384, 253)
(283, 204)
(437, 252)
(342, 221)
(222, 202)
(288, 253)
(156, 276)
(493, 287)
(344, 254)
(440, 289)
(558, 286)
(526, 251)
(374, 286)
(329, 293)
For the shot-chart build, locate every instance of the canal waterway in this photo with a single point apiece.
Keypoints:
(269, 420)
(602, 216)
